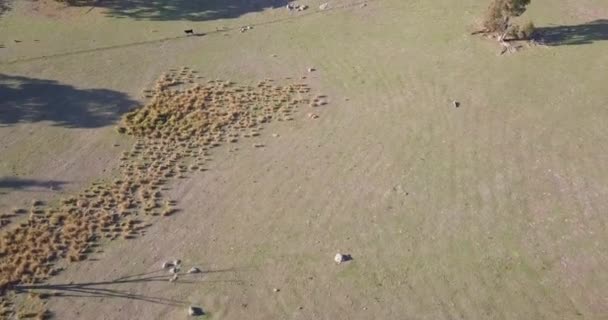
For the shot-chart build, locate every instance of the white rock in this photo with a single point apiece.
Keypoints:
(194, 270)
(311, 69)
(174, 270)
(339, 258)
(174, 278)
(324, 6)
(177, 262)
(167, 264)
(276, 290)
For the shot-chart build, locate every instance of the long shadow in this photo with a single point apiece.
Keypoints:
(19, 184)
(25, 99)
(100, 290)
(189, 10)
(183, 37)
(4, 6)
(586, 33)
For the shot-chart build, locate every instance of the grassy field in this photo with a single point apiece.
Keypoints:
(494, 210)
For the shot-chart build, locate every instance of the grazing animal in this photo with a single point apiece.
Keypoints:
(189, 31)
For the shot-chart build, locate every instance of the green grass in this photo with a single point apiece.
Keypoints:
(505, 213)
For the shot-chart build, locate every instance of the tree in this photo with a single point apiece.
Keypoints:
(497, 20)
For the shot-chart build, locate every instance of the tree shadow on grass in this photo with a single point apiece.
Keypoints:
(25, 99)
(4, 6)
(27, 184)
(101, 289)
(586, 33)
(188, 10)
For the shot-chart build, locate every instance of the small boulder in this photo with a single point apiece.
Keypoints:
(339, 258)
(324, 6)
(194, 270)
(167, 264)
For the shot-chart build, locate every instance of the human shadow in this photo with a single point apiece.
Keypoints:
(188, 10)
(585, 33)
(101, 289)
(20, 184)
(25, 99)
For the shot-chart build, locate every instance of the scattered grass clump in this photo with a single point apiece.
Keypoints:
(175, 131)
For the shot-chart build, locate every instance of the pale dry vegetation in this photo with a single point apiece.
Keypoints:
(176, 131)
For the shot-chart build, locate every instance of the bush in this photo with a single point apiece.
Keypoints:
(524, 32)
(500, 12)
(527, 31)
(493, 20)
(514, 32)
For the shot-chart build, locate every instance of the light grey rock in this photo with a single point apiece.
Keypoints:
(194, 270)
